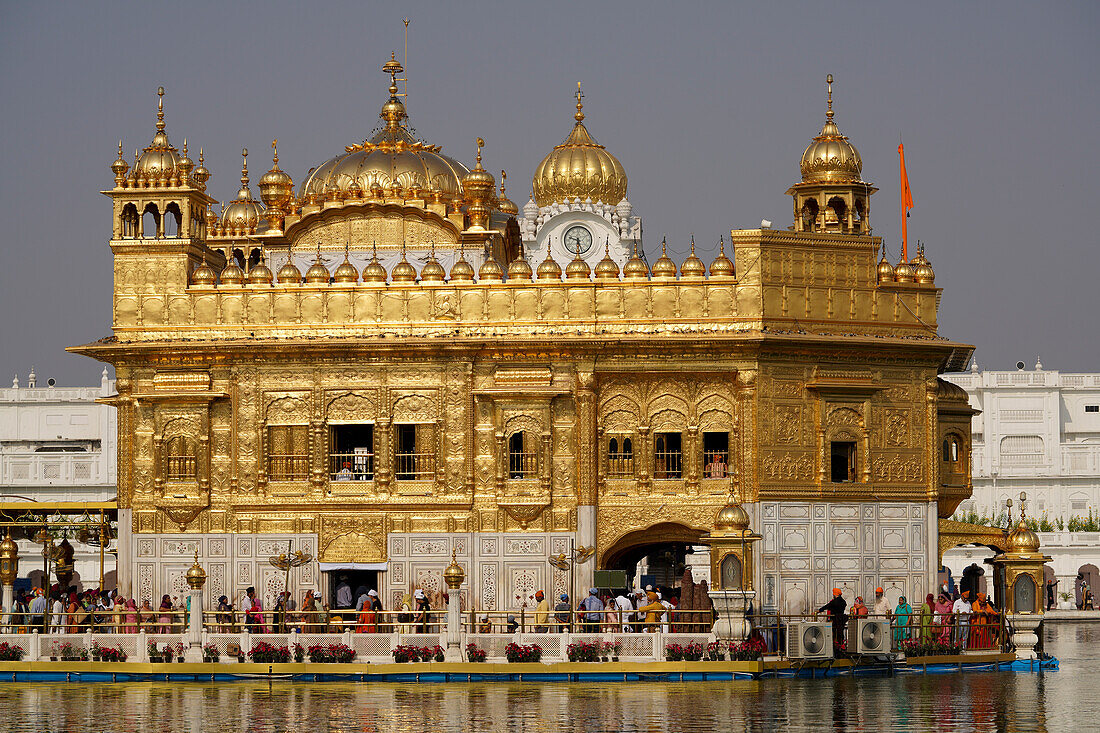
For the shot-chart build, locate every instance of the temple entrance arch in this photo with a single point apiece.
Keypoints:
(664, 547)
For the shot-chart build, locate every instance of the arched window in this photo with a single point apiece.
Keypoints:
(1023, 594)
(522, 456)
(254, 258)
(730, 570)
(809, 215)
(951, 451)
(838, 213)
(129, 217)
(173, 220)
(238, 257)
(620, 458)
(150, 222)
(1022, 450)
(180, 459)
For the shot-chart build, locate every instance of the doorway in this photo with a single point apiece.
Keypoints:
(358, 581)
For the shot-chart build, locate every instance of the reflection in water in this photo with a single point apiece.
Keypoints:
(1063, 700)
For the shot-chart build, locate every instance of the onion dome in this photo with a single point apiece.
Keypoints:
(531, 209)
(549, 269)
(478, 188)
(346, 272)
(403, 271)
(579, 168)
(693, 267)
(244, 213)
(289, 273)
(120, 166)
(607, 268)
(885, 269)
(490, 270)
(317, 274)
(232, 274)
(635, 268)
(950, 392)
(731, 517)
(722, 265)
(158, 161)
(204, 275)
(923, 272)
(830, 158)
(186, 165)
(903, 273)
(432, 272)
(390, 160)
(504, 204)
(664, 267)
(461, 270)
(276, 187)
(1022, 539)
(519, 269)
(200, 175)
(374, 272)
(260, 274)
(577, 269)
(195, 575)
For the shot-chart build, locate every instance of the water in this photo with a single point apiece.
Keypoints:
(996, 701)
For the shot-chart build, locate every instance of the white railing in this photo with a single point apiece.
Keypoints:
(60, 468)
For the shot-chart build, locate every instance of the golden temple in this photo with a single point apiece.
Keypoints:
(428, 388)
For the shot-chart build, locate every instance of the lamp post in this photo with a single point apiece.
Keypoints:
(196, 579)
(453, 576)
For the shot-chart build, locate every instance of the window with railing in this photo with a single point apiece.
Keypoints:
(716, 454)
(414, 452)
(668, 456)
(180, 463)
(523, 457)
(951, 454)
(620, 457)
(351, 452)
(287, 452)
(842, 461)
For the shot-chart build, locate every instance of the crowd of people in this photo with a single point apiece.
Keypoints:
(948, 618)
(608, 612)
(72, 612)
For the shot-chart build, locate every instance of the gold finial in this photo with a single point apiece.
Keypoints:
(693, 244)
(607, 246)
(275, 152)
(829, 83)
(200, 156)
(663, 253)
(722, 245)
(160, 109)
(244, 167)
(120, 148)
(579, 116)
(503, 178)
(480, 145)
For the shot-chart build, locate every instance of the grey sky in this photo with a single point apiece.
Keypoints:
(708, 106)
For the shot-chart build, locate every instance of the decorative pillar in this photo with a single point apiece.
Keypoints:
(731, 570)
(196, 579)
(642, 460)
(691, 460)
(1022, 599)
(383, 456)
(9, 569)
(586, 447)
(453, 576)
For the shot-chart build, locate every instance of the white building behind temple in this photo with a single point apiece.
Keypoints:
(1038, 432)
(57, 445)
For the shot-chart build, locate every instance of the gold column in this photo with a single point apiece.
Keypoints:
(642, 460)
(586, 445)
(691, 465)
(383, 456)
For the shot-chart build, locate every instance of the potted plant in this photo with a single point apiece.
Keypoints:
(402, 653)
(523, 652)
(437, 653)
(1067, 603)
(95, 651)
(155, 655)
(674, 653)
(69, 652)
(583, 651)
(179, 651)
(474, 653)
(716, 651)
(333, 653)
(265, 653)
(299, 653)
(167, 653)
(616, 650)
(10, 652)
(210, 653)
(112, 654)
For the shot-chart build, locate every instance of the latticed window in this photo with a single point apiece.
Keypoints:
(287, 452)
(180, 459)
(668, 455)
(351, 456)
(522, 456)
(620, 457)
(716, 455)
(414, 452)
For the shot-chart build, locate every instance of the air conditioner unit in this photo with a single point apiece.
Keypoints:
(868, 636)
(809, 640)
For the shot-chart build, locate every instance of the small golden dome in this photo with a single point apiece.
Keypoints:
(903, 273)
(548, 269)
(289, 273)
(204, 275)
(490, 270)
(885, 269)
(200, 175)
(244, 213)
(577, 269)
(607, 268)
(403, 271)
(722, 265)
(519, 269)
(185, 165)
(461, 270)
(1022, 539)
(830, 158)
(453, 574)
(432, 272)
(158, 162)
(196, 576)
(505, 204)
(579, 168)
(635, 268)
(276, 187)
(260, 274)
(120, 166)
(9, 549)
(374, 272)
(232, 274)
(317, 274)
(732, 517)
(923, 272)
(664, 267)
(346, 272)
(693, 267)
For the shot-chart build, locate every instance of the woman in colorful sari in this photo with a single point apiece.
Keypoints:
(165, 618)
(75, 612)
(309, 614)
(118, 618)
(943, 618)
(368, 617)
(146, 617)
(927, 617)
(859, 608)
(902, 614)
(131, 617)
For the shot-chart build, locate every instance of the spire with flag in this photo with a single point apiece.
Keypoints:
(906, 204)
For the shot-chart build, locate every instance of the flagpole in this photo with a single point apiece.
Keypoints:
(906, 202)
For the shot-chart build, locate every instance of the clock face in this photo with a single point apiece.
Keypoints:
(578, 240)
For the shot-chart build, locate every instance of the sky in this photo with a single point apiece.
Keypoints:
(708, 106)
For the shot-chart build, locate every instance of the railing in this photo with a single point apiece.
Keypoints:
(522, 465)
(528, 620)
(181, 468)
(668, 464)
(60, 468)
(620, 465)
(351, 466)
(287, 467)
(414, 466)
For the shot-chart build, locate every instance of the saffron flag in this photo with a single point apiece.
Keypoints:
(906, 204)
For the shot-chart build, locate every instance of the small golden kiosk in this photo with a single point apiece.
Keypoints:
(731, 570)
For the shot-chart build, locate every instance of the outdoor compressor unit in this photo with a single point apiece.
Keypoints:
(868, 636)
(809, 640)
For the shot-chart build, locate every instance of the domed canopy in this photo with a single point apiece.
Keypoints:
(391, 159)
(830, 158)
(160, 159)
(244, 213)
(1023, 539)
(579, 168)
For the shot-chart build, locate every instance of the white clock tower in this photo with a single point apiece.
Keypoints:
(578, 205)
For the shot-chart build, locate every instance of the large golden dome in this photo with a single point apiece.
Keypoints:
(579, 168)
(830, 158)
(244, 214)
(392, 158)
